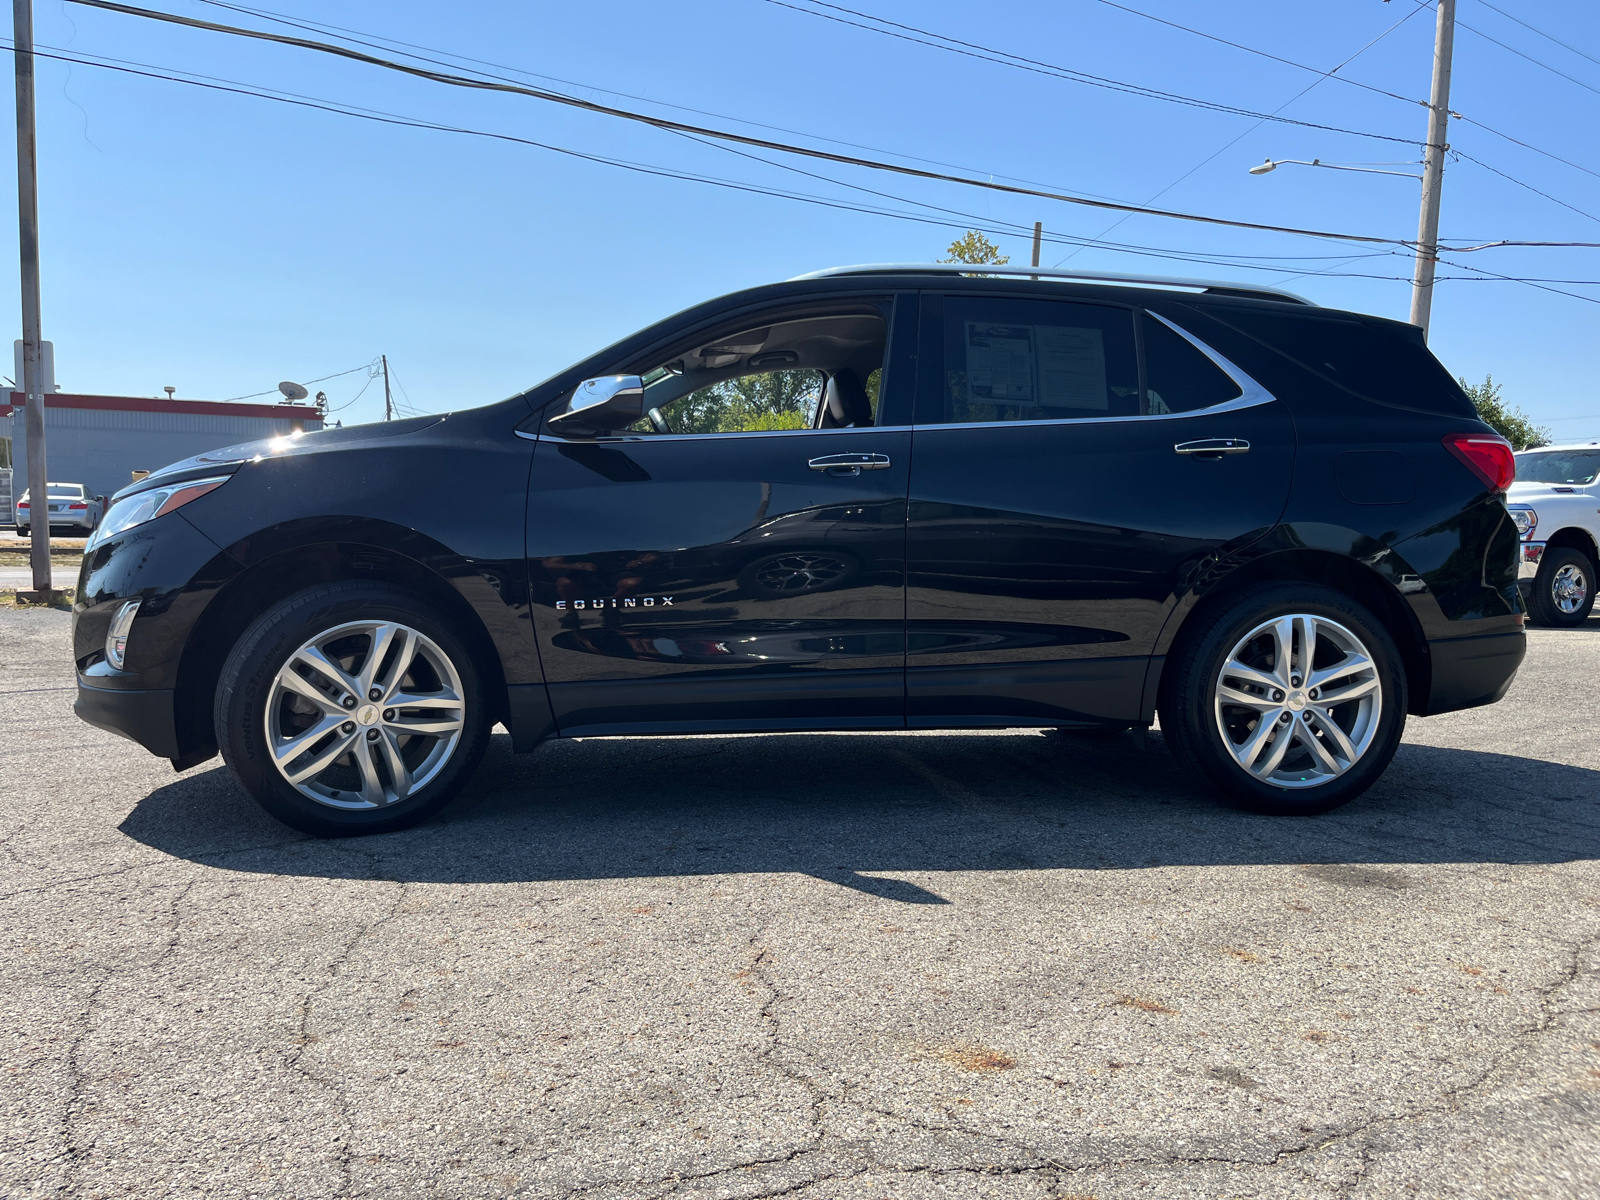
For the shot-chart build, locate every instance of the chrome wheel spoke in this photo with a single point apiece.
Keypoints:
(1306, 629)
(1251, 750)
(437, 727)
(428, 700)
(399, 773)
(1343, 748)
(1350, 691)
(1319, 752)
(313, 657)
(1275, 756)
(371, 786)
(301, 686)
(1352, 665)
(1231, 695)
(1283, 658)
(289, 751)
(1237, 670)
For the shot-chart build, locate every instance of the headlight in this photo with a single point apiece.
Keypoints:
(117, 634)
(1526, 521)
(146, 506)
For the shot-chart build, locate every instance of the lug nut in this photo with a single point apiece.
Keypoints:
(348, 727)
(375, 693)
(1294, 681)
(388, 714)
(372, 735)
(1277, 696)
(1285, 719)
(348, 702)
(1312, 694)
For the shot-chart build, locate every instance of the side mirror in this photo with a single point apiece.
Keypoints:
(602, 405)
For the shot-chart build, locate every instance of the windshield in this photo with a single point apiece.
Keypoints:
(1558, 466)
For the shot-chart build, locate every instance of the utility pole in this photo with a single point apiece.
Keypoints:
(28, 238)
(1433, 168)
(388, 404)
(1038, 236)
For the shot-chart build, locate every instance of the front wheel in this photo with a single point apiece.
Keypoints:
(351, 709)
(1563, 590)
(1290, 700)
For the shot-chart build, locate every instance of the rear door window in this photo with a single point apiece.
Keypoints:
(1035, 360)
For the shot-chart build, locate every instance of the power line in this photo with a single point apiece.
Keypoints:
(1288, 62)
(1006, 59)
(1322, 76)
(1422, 5)
(1540, 32)
(722, 135)
(228, 86)
(1513, 50)
(1520, 183)
(269, 391)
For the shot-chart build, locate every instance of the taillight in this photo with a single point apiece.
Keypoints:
(1488, 455)
(22, 504)
(75, 506)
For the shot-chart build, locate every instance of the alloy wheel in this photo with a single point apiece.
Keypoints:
(1569, 589)
(364, 715)
(1298, 701)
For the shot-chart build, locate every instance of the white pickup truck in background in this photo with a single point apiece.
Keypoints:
(1555, 502)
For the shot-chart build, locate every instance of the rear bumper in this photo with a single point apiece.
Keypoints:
(1472, 671)
(145, 716)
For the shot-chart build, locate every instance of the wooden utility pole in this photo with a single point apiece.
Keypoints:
(28, 237)
(1433, 168)
(1038, 236)
(388, 404)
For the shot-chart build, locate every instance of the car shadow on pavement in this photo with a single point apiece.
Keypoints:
(849, 807)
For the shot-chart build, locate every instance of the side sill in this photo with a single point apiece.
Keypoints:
(753, 725)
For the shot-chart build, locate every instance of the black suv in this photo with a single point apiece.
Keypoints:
(870, 498)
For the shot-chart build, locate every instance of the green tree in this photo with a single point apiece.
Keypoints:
(770, 400)
(973, 247)
(1510, 423)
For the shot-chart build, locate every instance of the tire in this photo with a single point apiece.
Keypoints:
(23, 531)
(1317, 770)
(363, 785)
(1563, 590)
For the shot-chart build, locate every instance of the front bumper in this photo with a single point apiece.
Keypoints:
(145, 716)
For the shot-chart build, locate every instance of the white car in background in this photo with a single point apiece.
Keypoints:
(1555, 503)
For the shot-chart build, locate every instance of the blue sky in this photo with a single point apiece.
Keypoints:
(220, 243)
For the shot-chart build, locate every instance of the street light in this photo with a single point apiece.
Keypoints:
(1271, 165)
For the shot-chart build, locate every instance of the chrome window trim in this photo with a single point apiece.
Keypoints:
(1253, 395)
(697, 437)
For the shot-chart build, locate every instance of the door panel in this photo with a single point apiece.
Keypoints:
(1044, 556)
(719, 582)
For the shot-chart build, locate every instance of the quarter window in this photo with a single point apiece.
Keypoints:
(1033, 360)
(1178, 377)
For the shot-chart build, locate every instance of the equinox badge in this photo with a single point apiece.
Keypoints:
(626, 602)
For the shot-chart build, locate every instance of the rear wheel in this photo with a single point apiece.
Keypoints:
(1563, 590)
(1291, 700)
(350, 709)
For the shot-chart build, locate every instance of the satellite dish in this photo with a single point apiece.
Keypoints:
(292, 391)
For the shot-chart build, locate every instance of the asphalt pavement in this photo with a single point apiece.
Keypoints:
(1005, 964)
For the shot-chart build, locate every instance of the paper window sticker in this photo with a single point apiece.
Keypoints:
(1072, 368)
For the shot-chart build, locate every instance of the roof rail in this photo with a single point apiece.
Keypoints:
(1215, 287)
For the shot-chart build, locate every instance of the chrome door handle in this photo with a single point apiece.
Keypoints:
(1213, 447)
(849, 464)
